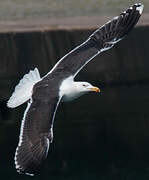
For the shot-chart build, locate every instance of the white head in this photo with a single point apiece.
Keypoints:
(84, 87)
(70, 90)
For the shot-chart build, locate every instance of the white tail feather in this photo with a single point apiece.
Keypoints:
(23, 91)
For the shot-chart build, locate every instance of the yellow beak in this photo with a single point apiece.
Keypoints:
(96, 89)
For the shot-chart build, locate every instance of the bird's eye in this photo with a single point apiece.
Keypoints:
(84, 85)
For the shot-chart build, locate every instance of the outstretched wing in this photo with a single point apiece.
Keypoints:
(102, 39)
(36, 130)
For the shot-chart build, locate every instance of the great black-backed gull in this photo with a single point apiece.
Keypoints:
(44, 94)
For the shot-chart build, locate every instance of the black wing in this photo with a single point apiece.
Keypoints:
(36, 130)
(102, 39)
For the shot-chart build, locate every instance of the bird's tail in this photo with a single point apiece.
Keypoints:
(23, 91)
(113, 31)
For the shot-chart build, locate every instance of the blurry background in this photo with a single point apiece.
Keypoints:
(99, 136)
(45, 9)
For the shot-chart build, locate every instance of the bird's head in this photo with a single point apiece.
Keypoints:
(85, 87)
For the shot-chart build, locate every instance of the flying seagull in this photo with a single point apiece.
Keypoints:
(44, 94)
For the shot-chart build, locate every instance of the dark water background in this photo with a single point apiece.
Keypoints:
(99, 136)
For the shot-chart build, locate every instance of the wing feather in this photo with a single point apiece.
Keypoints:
(36, 131)
(101, 40)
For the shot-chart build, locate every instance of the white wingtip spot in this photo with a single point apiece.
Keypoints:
(140, 7)
(29, 174)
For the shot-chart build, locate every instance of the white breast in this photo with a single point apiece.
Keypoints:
(68, 90)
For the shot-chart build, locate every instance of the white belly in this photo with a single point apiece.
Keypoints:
(70, 97)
